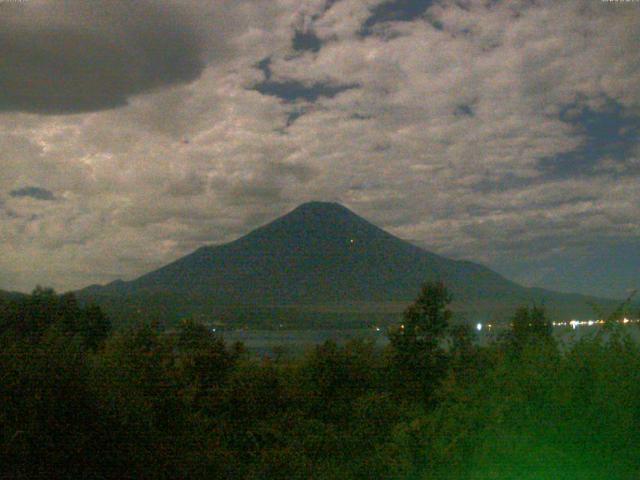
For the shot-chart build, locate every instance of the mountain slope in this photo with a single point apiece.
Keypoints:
(6, 296)
(319, 254)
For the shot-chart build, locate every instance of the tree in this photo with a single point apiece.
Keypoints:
(416, 348)
(202, 362)
(32, 316)
(94, 326)
(49, 412)
(530, 324)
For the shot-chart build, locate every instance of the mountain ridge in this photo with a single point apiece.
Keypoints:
(322, 253)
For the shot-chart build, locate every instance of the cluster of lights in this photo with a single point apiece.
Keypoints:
(572, 323)
(590, 323)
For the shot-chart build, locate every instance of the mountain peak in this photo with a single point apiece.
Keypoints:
(319, 219)
(322, 208)
(320, 253)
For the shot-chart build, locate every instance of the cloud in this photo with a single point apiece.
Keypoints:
(33, 192)
(306, 41)
(74, 56)
(395, 10)
(481, 130)
(610, 132)
(291, 90)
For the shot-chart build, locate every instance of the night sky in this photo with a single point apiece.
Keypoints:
(504, 132)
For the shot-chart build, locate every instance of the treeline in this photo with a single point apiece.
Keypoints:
(78, 401)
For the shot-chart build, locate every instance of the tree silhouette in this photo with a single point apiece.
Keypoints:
(530, 324)
(416, 347)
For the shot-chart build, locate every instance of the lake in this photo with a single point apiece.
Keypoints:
(294, 342)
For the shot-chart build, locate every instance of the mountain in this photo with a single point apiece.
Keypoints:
(319, 257)
(6, 296)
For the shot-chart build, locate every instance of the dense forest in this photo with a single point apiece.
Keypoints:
(81, 401)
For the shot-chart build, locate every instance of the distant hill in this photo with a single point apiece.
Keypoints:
(319, 259)
(4, 295)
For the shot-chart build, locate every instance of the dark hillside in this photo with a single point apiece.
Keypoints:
(320, 254)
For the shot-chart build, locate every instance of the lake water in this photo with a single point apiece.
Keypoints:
(293, 342)
(263, 342)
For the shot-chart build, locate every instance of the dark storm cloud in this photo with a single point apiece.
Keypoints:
(73, 56)
(33, 192)
(292, 90)
(395, 10)
(293, 116)
(306, 41)
(265, 66)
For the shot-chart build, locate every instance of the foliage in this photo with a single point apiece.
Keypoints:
(146, 403)
(529, 325)
(542, 414)
(31, 317)
(416, 346)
